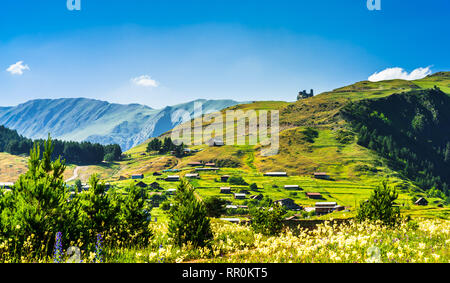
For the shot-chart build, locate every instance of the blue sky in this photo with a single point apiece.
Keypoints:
(164, 52)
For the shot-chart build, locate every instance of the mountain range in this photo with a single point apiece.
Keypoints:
(82, 119)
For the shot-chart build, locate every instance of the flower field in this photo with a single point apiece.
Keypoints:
(424, 241)
(421, 241)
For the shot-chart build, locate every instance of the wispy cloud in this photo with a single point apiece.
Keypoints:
(18, 68)
(145, 81)
(399, 73)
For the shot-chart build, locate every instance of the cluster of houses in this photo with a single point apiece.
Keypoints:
(320, 208)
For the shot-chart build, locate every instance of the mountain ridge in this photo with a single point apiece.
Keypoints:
(86, 119)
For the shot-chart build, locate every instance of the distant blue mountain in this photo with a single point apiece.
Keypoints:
(82, 119)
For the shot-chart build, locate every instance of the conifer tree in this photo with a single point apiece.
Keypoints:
(99, 208)
(380, 206)
(135, 215)
(188, 218)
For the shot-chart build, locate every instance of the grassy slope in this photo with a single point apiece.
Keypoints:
(12, 166)
(300, 158)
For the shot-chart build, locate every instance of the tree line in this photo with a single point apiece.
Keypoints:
(166, 146)
(73, 152)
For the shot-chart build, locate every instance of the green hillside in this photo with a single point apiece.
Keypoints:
(335, 148)
(319, 134)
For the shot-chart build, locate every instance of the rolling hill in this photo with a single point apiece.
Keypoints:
(81, 119)
(337, 145)
(323, 134)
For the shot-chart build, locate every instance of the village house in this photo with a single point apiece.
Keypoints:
(288, 203)
(225, 190)
(137, 176)
(321, 175)
(314, 195)
(210, 164)
(240, 196)
(292, 187)
(224, 178)
(216, 142)
(275, 174)
(174, 178)
(327, 207)
(421, 201)
(193, 176)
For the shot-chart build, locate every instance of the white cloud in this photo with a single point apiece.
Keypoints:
(145, 81)
(399, 73)
(18, 68)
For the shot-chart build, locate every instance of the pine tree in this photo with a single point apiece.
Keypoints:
(154, 145)
(188, 218)
(135, 215)
(380, 206)
(99, 208)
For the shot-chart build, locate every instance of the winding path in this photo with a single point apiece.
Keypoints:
(75, 174)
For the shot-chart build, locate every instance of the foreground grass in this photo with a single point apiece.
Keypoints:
(424, 241)
(418, 241)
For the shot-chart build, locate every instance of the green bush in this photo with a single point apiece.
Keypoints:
(254, 187)
(165, 205)
(215, 206)
(237, 181)
(268, 221)
(109, 157)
